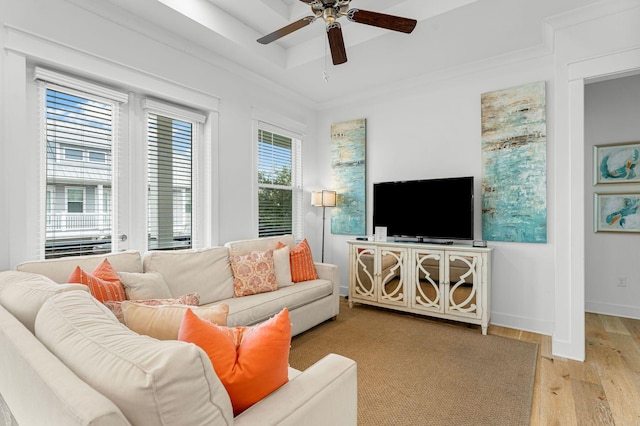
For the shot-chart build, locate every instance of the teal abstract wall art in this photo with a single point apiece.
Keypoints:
(616, 163)
(348, 173)
(514, 163)
(617, 212)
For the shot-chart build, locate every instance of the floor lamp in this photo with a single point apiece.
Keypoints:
(324, 199)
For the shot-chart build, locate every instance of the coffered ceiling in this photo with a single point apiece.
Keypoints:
(449, 34)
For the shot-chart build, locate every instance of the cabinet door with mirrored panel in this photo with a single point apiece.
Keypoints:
(428, 280)
(363, 273)
(392, 272)
(462, 278)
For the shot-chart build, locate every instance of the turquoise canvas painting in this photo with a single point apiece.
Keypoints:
(348, 173)
(514, 163)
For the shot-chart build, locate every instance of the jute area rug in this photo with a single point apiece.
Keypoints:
(421, 371)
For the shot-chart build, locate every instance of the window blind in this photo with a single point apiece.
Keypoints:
(169, 182)
(79, 135)
(279, 177)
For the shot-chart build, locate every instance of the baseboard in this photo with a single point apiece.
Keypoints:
(522, 323)
(506, 320)
(613, 309)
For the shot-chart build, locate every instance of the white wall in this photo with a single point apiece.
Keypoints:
(68, 38)
(535, 287)
(432, 130)
(612, 114)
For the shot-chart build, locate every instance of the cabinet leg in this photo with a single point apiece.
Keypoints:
(484, 330)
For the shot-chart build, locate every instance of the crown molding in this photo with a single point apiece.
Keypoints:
(590, 12)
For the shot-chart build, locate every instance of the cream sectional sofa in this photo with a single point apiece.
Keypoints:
(67, 360)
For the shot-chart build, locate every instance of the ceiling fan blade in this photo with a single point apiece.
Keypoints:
(307, 1)
(336, 43)
(390, 22)
(288, 29)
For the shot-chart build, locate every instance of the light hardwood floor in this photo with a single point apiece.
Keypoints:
(603, 390)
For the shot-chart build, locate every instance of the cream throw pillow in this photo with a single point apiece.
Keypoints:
(282, 265)
(139, 286)
(163, 322)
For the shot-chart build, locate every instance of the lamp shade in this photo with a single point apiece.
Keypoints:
(316, 198)
(324, 198)
(328, 198)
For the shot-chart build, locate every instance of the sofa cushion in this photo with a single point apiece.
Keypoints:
(204, 271)
(302, 267)
(150, 285)
(192, 299)
(251, 362)
(159, 382)
(103, 282)
(23, 293)
(259, 307)
(60, 269)
(240, 247)
(40, 389)
(163, 321)
(253, 273)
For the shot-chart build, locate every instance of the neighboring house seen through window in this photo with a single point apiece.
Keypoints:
(86, 153)
(76, 122)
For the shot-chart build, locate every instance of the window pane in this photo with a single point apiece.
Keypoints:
(75, 124)
(274, 212)
(97, 157)
(72, 154)
(169, 179)
(275, 184)
(274, 159)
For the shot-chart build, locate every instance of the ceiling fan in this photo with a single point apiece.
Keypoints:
(330, 11)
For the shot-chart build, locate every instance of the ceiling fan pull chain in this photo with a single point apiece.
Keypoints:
(325, 73)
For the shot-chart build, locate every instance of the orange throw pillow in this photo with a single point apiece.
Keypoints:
(103, 282)
(302, 267)
(251, 362)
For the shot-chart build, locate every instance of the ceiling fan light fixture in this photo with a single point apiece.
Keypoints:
(329, 15)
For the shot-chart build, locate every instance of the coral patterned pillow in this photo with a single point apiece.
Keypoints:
(253, 273)
(302, 267)
(191, 299)
(251, 362)
(103, 282)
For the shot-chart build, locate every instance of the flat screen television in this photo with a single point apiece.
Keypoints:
(429, 209)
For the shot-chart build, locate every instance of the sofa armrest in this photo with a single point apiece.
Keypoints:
(324, 394)
(328, 271)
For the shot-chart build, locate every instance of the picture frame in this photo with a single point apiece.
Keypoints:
(616, 163)
(616, 212)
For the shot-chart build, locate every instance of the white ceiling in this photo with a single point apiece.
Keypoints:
(449, 34)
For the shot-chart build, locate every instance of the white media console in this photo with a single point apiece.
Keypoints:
(445, 281)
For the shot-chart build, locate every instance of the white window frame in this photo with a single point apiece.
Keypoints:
(197, 121)
(298, 209)
(26, 50)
